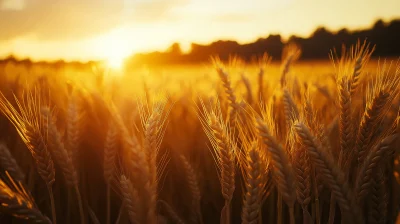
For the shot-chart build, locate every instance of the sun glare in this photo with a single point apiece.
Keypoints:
(115, 61)
(115, 48)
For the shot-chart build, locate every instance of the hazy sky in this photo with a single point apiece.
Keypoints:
(96, 29)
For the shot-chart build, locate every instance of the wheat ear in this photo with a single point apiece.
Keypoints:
(230, 95)
(27, 121)
(360, 54)
(154, 127)
(151, 148)
(110, 154)
(194, 189)
(74, 126)
(247, 84)
(224, 150)
(368, 122)
(378, 202)
(16, 201)
(291, 53)
(345, 124)
(330, 173)
(136, 158)
(385, 89)
(372, 161)
(130, 197)
(291, 111)
(282, 171)
(346, 137)
(57, 148)
(226, 162)
(61, 155)
(254, 185)
(7, 161)
(302, 172)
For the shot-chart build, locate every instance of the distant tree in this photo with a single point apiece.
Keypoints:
(379, 25)
(317, 46)
(175, 48)
(321, 33)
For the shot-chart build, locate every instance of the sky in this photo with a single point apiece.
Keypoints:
(106, 29)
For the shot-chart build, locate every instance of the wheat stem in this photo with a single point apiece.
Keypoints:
(52, 204)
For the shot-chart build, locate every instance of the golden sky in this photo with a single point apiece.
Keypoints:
(101, 29)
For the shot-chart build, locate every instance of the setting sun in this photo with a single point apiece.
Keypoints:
(115, 61)
(114, 47)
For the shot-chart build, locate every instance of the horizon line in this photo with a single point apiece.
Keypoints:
(284, 40)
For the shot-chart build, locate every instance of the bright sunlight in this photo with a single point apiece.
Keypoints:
(114, 47)
(115, 60)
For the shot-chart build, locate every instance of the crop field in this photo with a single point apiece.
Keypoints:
(286, 141)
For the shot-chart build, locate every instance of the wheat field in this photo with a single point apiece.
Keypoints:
(230, 142)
